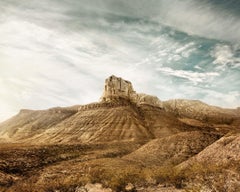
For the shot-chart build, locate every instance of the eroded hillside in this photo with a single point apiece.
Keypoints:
(126, 142)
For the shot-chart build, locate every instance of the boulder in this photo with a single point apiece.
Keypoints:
(130, 187)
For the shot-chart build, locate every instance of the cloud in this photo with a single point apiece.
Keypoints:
(201, 18)
(225, 56)
(169, 50)
(226, 100)
(194, 77)
(58, 53)
(210, 19)
(43, 67)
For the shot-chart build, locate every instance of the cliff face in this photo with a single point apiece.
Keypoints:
(116, 87)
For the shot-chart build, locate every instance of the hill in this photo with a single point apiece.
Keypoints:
(122, 114)
(124, 138)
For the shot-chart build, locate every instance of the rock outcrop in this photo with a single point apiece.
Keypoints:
(116, 88)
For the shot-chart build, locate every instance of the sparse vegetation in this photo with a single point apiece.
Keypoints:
(66, 167)
(145, 145)
(22, 166)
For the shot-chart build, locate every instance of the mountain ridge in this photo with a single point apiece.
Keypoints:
(125, 139)
(126, 108)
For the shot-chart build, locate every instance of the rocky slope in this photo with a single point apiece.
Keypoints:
(172, 150)
(124, 138)
(217, 166)
(201, 111)
(106, 121)
(122, 114)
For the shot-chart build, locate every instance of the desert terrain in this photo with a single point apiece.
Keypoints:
(125, 142)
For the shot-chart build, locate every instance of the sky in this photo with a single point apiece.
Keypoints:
(59, 52)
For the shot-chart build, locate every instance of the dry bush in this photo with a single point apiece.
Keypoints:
(66, 184)
(115, 178)
(212, 178)
(166, 175)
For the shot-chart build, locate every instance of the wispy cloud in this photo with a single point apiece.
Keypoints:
(201, 18)
(194, 77)
(58, 53)
(226, 56)
(207, 18)
(43, 66)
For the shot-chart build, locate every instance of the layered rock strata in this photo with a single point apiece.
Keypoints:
(116, 87)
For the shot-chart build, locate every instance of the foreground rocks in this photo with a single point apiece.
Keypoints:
(129, 188)
(93, 188)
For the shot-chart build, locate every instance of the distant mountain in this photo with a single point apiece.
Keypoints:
(127, 141)
(198, 110)
(121, 115)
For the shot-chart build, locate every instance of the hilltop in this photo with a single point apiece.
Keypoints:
(124, 138)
